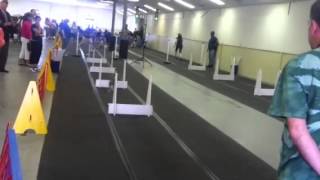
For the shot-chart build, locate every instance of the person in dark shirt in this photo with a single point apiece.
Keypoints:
(6, 24)
(36, 44)
(65, 31)
(179, 45)
(212, 48)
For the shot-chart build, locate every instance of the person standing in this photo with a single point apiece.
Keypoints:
(26, 36)
(65, 33)
(179, 45)
(296, 101)
(36, 44)
(6, 24)
(212, 48)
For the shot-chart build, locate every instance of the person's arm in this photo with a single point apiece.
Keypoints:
(304, 142)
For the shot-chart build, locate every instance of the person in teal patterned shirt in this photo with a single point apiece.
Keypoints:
(297, 101)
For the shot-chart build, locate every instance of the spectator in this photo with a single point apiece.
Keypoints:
(34, 14)
(47, 24)
(6, 24)
(26, 36)
(36, 44)
(74, 30)
(296, 101)
(179, 45)
(212, 48)
(53, 28)
(65, 33)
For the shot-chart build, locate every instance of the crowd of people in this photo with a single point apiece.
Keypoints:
(30, 33)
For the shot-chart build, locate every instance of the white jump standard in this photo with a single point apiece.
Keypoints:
(123, 84)
(168, 53)
(259, 91)
(101, 69)
(131, 109)
(202, 67)
(224, 77)
(100, 83)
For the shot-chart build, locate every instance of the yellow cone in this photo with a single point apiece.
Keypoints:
(47, 72)
(31, 115)
(51, 84)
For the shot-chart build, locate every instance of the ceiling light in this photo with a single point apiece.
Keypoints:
(188, 5)
(133, 0)
(106, 1)
(149, 7)
(131, 10)
(77, 3)
(219, 2)
(121, 12)
(142, 10)
(165, 6)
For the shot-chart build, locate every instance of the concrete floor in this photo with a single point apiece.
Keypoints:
(255, 131)
(13, 87)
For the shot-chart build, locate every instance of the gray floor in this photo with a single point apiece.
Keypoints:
(254, 130)
(13, 87)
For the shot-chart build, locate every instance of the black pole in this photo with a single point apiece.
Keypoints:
(124, 20)
(113, 16)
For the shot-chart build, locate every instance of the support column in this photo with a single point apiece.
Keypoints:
(124, 20)
(113, 16)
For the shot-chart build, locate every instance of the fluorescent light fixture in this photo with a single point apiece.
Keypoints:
(218, 2)
(78, 3)
(142, 10)
(133, 0)
(188, 5)
(106, 1)
(149, 7)
(121, 12)
(165, 6)
(131, 10)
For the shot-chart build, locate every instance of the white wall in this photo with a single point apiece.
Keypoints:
(266, 27)
(84, 16)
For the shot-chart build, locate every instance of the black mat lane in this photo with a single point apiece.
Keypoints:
(225, 157)
(241, 90)
(152, 152)
(79, 145)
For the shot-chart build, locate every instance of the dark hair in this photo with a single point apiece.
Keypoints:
(212, 33)
(37, 17)
(315, 12)
(27, 16)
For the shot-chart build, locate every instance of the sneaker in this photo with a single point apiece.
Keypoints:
(34, 70)
(4, 71)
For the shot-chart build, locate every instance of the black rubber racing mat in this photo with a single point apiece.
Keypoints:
(79, 145)
(153, 153)
(241, 90)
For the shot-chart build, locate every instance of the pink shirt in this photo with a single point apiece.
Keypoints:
(26, 29)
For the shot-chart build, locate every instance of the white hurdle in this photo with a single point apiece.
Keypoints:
(259, 91)
(101, 69)
(202, 67)
(101, 83)
(78, 44)
(130, 109)
(116, 52)
(93, 59)
(123, 84)
(224, 77)
(167, 55)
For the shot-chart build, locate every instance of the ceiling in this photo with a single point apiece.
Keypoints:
(200, 4)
